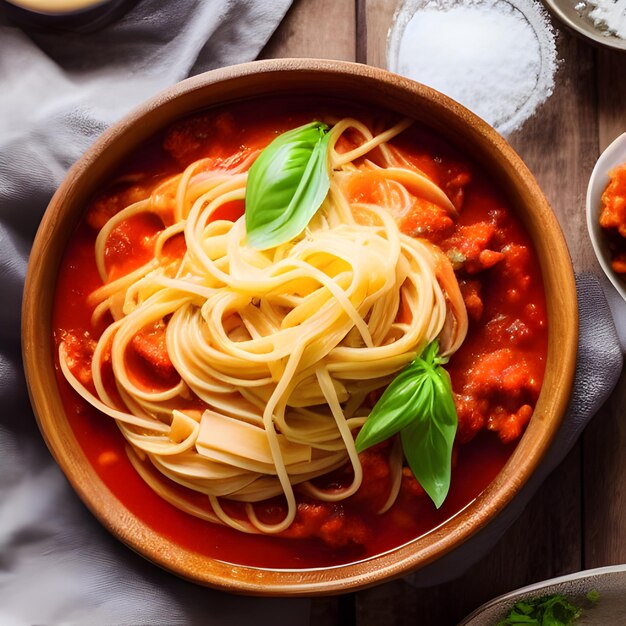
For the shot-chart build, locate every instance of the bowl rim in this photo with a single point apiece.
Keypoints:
(613, 155)
(343, 578)
(584, 29)
(559, 584)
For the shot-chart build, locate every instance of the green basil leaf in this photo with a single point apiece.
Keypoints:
(522, 619)
(403, 399)
(418, 404)
(429, 354)
(524, 608)
(286, 186)
(427, 440)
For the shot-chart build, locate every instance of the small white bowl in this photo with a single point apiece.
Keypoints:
(609, 582)
(611, 157)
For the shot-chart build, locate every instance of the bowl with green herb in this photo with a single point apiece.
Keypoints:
(595, 597)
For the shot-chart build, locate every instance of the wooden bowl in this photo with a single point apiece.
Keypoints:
(270, 78)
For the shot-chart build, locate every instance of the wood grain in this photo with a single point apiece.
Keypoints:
(604, 481)
(604, 442)
(321, 29)
(611, 88)
(378, 17)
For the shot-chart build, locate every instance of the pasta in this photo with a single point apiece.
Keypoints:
(276, 350)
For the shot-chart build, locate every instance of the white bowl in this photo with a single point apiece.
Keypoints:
(612, 156)
(609, 582)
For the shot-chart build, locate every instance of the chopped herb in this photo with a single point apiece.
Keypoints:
(551, 610)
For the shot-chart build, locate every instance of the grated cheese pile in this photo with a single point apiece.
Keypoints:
(610, 14)
(496, 57)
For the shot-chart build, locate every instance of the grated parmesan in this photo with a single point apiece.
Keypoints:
(496, 57)
(610, 14)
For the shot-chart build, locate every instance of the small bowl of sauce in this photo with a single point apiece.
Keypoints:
(606, 212)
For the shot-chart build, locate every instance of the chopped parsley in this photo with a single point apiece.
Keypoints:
(552, 610)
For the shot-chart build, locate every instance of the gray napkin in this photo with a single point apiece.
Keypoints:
(57, 93)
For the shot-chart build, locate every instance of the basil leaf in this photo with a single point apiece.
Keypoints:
(286, 186)
(427, 441)
(418, 403)
(401, 401)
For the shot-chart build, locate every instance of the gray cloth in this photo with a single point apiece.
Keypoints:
(618, 309)
(57, 93)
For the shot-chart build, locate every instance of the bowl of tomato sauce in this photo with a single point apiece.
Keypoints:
(510, 380)
(606, 212)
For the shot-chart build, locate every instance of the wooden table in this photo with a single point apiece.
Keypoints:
(577, 520)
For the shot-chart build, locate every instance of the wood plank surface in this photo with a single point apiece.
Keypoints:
(322, 29)
(578, 518)
(604, 441)
(378, 19)
(611, 90)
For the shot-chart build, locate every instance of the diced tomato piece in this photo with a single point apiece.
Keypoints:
(471, 413)
(427, 220)
(200, 136)
(509, 426)
(510, 330)
(108, 205)
(502, 375)
(79, 349)
(515, 269)
(619, 263)
(613, 215)
(471, 291)
(341, 530)
(488, 258)
(469, 248)
(330, 523)
(151, 347)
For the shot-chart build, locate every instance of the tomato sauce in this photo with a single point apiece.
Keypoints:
(496, 375)
(613, 217)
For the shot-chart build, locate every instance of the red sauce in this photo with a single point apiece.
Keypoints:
(613, 217)
(496, 374)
